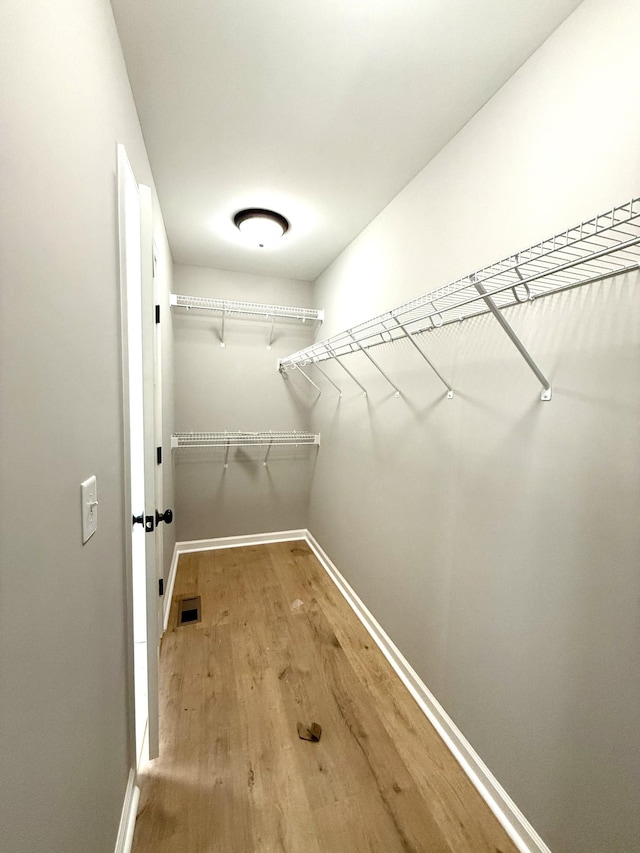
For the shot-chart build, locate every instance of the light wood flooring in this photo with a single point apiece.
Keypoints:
(278, 644)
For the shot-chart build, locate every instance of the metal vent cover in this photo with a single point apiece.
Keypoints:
(189, 610)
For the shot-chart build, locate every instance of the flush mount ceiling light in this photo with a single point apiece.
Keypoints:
(260, 227)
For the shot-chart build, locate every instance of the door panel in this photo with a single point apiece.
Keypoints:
(151, 496)
(134, 207)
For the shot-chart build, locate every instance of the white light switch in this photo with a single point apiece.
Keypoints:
(89, 502)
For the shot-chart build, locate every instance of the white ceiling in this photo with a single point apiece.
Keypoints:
(320, 109)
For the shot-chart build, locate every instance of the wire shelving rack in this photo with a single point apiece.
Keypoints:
(596, 249)
(231, 308)
(230, 439)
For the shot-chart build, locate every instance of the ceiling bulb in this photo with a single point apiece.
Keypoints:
(260, 227)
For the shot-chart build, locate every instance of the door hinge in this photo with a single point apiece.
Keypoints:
(157, 313)
(159, 455)
(161, 586)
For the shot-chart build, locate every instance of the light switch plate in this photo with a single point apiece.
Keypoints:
(89, 504)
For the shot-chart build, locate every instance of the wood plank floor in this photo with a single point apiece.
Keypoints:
(278, 644)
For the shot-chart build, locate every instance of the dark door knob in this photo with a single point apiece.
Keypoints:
(145, 521)
(166, 516)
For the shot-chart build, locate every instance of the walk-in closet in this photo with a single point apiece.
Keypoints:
(320, 414)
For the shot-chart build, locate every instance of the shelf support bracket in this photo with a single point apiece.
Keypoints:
(222, 328)
(328, 378)
(374, 363)
(266, 458)
(226, 457)
(346, 369)
(308, 378)
(273, 322)
(429, 362)
(545, 394)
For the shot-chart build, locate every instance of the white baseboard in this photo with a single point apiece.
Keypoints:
(128, 816)
(508, 814)
(514, 822)
(240, 541)
(171, 580)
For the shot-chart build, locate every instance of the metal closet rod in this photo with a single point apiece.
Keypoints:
(598, 248)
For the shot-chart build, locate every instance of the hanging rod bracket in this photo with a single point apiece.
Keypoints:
(528, 297)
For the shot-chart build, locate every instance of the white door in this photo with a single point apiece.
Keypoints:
(159, 484)
(136, 278)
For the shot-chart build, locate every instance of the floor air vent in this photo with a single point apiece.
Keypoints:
(189, 610)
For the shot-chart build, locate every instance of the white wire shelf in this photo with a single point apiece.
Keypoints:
(242, 439)
(227, 440)
(592, 251)
(253, 309)
(231, 308)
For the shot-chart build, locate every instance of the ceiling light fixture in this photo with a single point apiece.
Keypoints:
(261, 227)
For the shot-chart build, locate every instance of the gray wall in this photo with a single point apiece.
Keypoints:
(496, 537)
(238, 387)
(65, 102)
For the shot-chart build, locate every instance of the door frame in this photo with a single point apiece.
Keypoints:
(150, 745)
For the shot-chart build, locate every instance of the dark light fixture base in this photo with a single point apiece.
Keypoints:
(260, 213)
